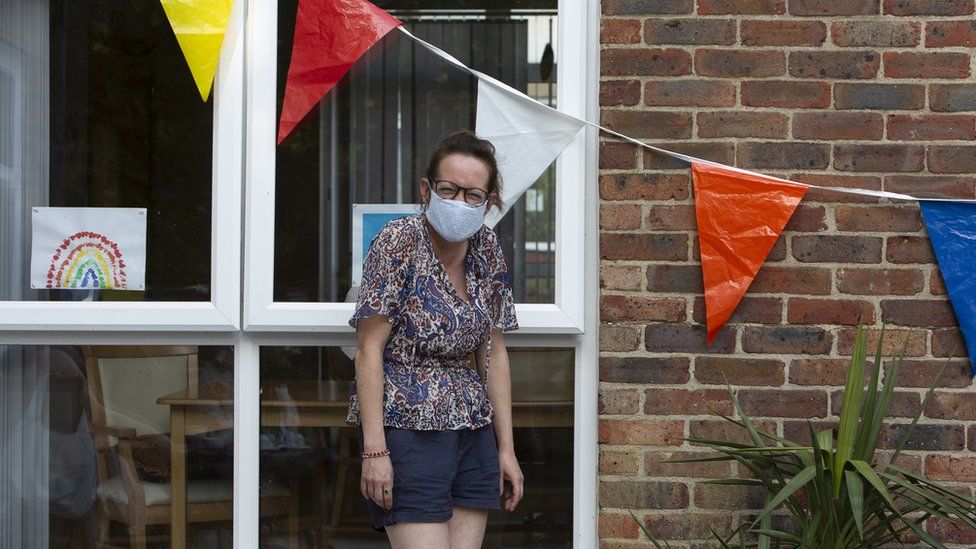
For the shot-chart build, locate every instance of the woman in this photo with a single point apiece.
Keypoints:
(435, 299)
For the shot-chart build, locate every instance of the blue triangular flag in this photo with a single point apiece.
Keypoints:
(952, 228)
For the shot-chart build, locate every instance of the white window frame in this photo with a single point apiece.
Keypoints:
(222, 312)
(245, 105)
(262, 313)
(570, 322)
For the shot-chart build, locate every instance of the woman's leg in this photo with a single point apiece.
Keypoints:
(421, 535)
(476, 488)
(467, 527)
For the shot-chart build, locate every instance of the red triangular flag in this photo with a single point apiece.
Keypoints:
(740, 216)
(330, 35)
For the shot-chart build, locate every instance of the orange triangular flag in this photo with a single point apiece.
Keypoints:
(740, 216)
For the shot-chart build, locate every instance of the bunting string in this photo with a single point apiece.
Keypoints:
(734, 247)
(740, 213)
(671, 154)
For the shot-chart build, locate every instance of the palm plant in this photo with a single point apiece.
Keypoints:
(836, 492)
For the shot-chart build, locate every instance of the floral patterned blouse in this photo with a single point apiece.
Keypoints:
(428, 381)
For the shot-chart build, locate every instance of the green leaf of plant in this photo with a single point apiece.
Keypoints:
(765, 524)
(746, 422)
(880, 531)
(786, 491)
(825, 439)
(881, 408)
(702, 459)
(924, 536)
(862, 446)
(936, 502)
(791, 451)
(819, 458)
(810, 531)
(851, 409)
(716, 442)
(739, 532)
(759, 467)
(872, 477)
(734, 482)
(723, 544)
(647, 533)
(966, 502)
(934, 512)
(778, 534)
(762, 434)
(918, 414)
(855, 493)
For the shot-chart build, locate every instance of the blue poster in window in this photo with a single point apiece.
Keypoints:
(367, 221)
(372, 223)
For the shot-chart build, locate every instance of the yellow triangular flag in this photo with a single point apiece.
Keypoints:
(200, 26)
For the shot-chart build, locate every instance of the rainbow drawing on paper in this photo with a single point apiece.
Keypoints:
(87, 260)
(88, 249)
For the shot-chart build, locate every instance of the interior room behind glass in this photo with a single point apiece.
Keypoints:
(99, 110)
(86, 431)
(369, 139)
(309, 444)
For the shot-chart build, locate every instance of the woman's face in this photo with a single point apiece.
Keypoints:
(467, 172)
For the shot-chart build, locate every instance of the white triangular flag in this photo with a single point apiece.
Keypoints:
(527, 136)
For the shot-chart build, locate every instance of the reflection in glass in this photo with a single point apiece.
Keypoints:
(98, 109)
(305, 442)
(369, 140)
(102, 444)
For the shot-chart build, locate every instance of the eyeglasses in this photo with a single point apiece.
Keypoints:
(448, 190)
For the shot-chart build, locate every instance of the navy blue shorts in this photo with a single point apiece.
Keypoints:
(435, 471)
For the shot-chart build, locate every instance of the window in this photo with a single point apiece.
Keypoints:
(369, 140)
(100, 110)
(366, 142)
(306, 442)
(91, 429)
(248, 247)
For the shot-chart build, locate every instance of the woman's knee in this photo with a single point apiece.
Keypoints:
(467, 527)
(419, 535)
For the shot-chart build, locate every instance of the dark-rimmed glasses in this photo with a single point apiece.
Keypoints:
(448, 190)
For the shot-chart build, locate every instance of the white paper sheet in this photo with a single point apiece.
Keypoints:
(88, 248)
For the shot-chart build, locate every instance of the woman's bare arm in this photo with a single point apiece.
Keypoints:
(500, 390)
(500, 395)
(372, 334)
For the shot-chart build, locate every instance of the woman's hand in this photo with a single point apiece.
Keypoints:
(377, 481)
(509, 468)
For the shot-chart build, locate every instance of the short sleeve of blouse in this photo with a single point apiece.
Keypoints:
(502, 302)
(384, 271)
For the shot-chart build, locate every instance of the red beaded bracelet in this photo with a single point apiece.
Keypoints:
(380, 453)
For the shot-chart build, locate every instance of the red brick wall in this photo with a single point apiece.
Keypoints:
(876, 94)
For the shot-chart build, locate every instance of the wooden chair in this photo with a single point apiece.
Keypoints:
(348, 462)
(123, 385)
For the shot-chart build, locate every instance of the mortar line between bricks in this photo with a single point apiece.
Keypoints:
(835, 330)
(788, 48)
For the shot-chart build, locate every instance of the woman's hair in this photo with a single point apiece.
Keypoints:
(465, 142)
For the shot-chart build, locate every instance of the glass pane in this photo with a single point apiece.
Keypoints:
(89, 431)
(305, 442)
(98, 109)
(370, 138)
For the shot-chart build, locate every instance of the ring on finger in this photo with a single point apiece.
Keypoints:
(386, 490)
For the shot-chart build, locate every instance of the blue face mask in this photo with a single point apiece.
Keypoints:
(454, 220)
